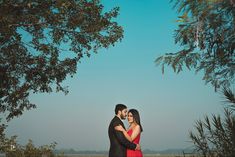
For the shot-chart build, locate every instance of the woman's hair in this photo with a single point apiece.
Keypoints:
(136, 117)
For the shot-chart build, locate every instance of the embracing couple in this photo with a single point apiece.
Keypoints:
(125, 143)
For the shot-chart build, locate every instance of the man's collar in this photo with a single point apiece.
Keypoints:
(118, 117)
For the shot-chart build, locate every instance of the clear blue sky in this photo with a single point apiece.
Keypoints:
(169, 104)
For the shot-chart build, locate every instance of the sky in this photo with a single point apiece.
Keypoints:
(168, 104)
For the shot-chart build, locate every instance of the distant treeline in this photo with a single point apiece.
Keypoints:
(146, 151)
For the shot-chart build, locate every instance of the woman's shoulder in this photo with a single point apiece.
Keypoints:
(136, 127)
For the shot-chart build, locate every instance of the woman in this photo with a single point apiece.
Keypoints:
(133, 132)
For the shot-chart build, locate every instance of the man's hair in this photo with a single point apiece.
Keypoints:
(119, 107)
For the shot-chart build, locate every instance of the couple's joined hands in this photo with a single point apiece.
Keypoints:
(137, 147)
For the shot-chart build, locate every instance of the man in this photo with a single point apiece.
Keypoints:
(118, 142)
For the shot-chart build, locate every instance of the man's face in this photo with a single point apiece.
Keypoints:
(123, 114)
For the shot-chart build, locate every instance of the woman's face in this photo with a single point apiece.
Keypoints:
(130, 117)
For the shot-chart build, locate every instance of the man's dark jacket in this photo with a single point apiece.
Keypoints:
(118, 142)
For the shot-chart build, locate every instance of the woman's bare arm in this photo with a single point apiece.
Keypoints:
(120, 128)
(135, 133)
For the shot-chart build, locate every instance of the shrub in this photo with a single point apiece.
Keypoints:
(215, 137)
(12, 149)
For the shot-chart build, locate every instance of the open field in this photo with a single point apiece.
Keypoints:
(104, 155)
(150, 155)
(145, 155)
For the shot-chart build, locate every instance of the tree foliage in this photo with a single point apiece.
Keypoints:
(41, 42)
(215, 137)
(206, 31)
(13, 149)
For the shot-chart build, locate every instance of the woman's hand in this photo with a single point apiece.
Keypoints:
(119, 128)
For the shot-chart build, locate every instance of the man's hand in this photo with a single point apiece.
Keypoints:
(137, 147)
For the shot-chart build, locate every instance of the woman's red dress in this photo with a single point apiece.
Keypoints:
(134, 153)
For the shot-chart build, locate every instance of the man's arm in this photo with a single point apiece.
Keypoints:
(135, 133)
(122, 139)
